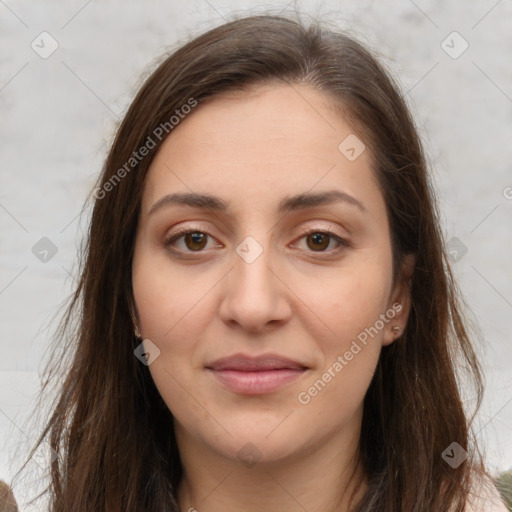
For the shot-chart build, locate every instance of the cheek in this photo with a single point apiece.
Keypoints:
(352, 307)
(169, 298)
(172, 315)
(337, 393)
(350, 299)
(174, 311)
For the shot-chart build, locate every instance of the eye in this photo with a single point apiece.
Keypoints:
(319, 240)
(195, 240)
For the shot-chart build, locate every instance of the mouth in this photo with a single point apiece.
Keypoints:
(255, 375)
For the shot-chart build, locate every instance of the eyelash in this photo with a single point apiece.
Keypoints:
(185, 231)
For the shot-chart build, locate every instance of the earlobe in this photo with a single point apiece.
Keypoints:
(400, 301)
(394, 330)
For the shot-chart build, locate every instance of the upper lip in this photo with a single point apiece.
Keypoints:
(242, 362)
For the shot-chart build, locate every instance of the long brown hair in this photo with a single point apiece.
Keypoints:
(112, 432)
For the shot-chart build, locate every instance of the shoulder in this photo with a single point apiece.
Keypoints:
(485, 498)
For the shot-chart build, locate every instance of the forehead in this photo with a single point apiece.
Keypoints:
(254, 148)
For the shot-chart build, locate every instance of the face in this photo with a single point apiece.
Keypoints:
(262, 274)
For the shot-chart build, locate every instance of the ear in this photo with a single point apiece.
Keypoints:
(400, 301)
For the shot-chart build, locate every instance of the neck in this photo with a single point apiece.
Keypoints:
(318, 479)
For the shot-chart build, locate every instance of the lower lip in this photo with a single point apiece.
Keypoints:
(256, 383)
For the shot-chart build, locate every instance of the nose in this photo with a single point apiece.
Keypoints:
(255, 297)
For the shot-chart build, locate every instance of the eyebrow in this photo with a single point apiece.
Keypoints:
(288, 204)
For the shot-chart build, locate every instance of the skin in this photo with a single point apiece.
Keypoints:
(301, 298)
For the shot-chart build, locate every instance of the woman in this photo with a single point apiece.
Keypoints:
(267, 317)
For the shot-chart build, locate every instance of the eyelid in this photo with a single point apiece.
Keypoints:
(320, 229)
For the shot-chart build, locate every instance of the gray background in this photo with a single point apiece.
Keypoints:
(58, 116)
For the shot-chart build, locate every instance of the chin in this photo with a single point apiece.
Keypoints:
(250, 451)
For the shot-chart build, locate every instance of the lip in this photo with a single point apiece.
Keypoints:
(255, 375)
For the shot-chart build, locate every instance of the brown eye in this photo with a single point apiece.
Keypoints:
(318, 241)
(193, 239)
